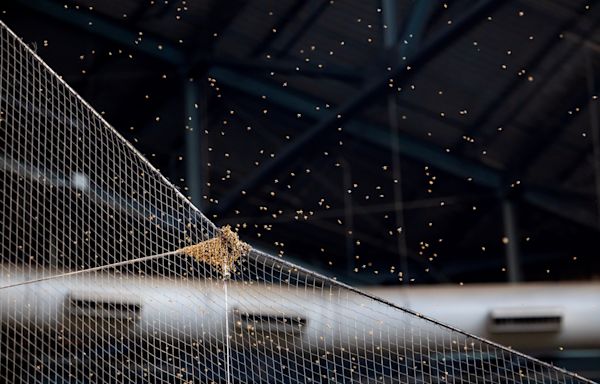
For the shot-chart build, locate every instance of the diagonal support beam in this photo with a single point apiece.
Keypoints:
(282, 23)
(283, 67)
(405, 42)
(374, 134)
(317, 7)
(486, 116)
(409, 146)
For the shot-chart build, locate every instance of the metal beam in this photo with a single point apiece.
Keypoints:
(406, 40)
(217, 20)
(584, 157)
(285, 67)
(316, 8)
(545, 136)
(164, 51)
(166, 8)
(275, 32)
(537, 89)
(478, 173)
(409, 146)
(595, 127)
(427, 153)
(80, 183)
(104, 27)
(375, 134)
(551, 134)
(538, 57)
(348, 215)
(361, 98)
(557, 205)
(416, 26)
(511, 240)
(193, 151)
(362, 210)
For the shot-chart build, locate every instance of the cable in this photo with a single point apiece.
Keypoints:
(94, 269)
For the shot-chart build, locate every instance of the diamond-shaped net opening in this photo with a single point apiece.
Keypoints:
(109, 274)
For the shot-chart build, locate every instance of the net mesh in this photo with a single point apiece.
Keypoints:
(109, 274)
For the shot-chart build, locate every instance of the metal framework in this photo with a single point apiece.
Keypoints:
(409, 45)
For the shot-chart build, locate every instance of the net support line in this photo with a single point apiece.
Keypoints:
(93, 269)
(388, 303)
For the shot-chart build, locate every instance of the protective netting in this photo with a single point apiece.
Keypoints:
(97, 285)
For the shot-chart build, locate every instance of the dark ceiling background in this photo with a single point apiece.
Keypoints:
(378, 141)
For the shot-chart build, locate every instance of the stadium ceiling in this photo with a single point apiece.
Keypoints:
(293, 136)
